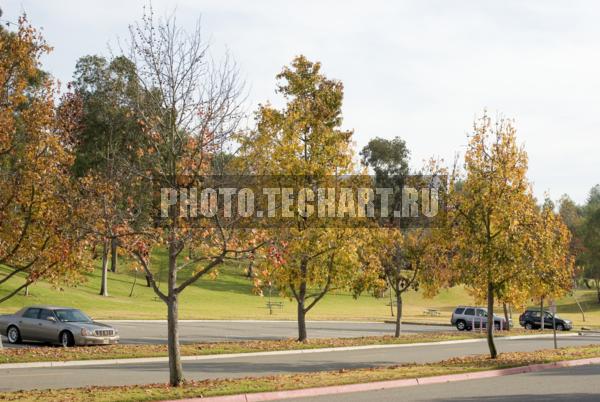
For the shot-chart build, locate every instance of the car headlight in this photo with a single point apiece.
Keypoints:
(86, 332)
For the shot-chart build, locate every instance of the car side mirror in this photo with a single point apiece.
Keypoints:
(51, 319)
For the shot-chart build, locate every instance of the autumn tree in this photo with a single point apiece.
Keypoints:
(106, 216)
(488, 225)
(403, 255)
(306, 146)
(551, 259)
(38, 239)
(404, 260)
(189, 108)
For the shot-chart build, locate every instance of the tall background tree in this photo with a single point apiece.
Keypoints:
(582, 222)
(105, 152)
(590, 231)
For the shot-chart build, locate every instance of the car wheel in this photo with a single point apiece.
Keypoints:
(461, 326)
(13, 335)
(560, 327)
(66, 339)
(497, 326)
(528, 326)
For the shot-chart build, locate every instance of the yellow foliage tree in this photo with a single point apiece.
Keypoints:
(552, 264)
(493, 227)
(305, 146)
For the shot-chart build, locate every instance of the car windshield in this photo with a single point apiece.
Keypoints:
(72, 315)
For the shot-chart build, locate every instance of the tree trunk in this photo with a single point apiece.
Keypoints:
(134, 282)
(104, 281)
(542, 314)
(175, 368)
(506, 317)
(26, 293)
(301, 322)
(490, 321)
(148, 284)
(598, 289)
(398, 315)
(301, 299)
(114, 243)
(251, 264)
(250, 271)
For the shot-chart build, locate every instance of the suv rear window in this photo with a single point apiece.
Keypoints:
(470, 311)
(459, 310)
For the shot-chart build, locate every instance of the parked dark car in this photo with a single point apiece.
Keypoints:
(530, 319)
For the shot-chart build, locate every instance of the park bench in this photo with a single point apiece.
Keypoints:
(432, 312)
(272, 305)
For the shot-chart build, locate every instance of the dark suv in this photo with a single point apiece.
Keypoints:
(530, 319)
(469, 317)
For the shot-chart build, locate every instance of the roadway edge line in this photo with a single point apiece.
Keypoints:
(381, 385)
(163, 359)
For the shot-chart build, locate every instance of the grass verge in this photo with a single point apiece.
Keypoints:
(154, 392)
(231, 296)
(127, 351)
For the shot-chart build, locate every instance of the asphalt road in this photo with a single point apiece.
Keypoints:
(564, 384)
(127, 374)
(214, 331)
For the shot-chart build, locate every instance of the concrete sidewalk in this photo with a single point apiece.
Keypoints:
(383, 385)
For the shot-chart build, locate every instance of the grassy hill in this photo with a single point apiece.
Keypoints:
(230, 297)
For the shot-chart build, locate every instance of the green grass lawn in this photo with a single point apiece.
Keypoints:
(230, 296)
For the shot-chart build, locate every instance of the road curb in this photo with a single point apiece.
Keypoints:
(381, 385)
(109, 362)
(431, 324)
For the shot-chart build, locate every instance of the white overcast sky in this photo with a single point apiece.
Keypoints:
(421, 70)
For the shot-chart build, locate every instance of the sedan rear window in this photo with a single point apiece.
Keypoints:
(32, 313)
(44, 314)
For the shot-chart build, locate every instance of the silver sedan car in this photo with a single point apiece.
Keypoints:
(56, 325)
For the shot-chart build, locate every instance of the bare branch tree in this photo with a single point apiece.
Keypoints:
(189, 107)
